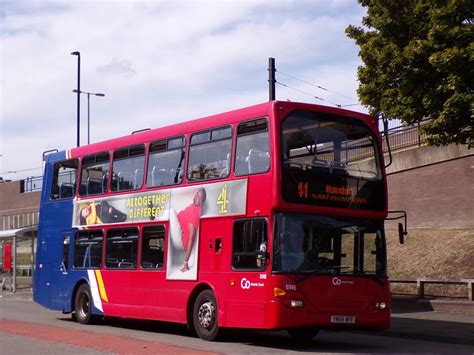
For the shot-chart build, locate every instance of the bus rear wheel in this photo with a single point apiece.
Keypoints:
(205, 315)
(83, 305)
(302, 334)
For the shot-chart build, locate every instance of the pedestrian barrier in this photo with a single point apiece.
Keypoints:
(421, 283)
(24, 270)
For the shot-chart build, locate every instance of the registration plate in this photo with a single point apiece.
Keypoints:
(343, 319)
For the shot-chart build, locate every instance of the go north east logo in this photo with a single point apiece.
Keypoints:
(246, 284)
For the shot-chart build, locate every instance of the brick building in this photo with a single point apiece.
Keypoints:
(435, 185)
(18, 208)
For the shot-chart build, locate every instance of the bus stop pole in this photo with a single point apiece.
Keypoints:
(14, 264)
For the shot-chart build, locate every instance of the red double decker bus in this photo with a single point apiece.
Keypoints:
(267, 217)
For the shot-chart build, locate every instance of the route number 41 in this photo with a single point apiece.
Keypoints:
(303, 189)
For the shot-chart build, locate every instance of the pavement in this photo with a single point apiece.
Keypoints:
(439, 320)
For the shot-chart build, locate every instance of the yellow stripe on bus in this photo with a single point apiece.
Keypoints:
(100, 283)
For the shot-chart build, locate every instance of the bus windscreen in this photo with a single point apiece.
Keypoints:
(310, 244)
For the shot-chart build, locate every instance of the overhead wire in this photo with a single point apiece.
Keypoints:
(307, 93)
(19, 171)
(317, 86)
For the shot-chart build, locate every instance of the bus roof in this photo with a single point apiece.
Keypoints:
(204, 123)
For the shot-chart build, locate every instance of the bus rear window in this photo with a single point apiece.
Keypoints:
(64, 179)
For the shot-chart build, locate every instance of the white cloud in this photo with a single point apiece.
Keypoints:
(159, 62)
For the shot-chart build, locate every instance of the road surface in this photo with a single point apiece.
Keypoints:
(27, 328)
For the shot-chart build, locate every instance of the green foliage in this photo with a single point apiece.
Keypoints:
(418, 60)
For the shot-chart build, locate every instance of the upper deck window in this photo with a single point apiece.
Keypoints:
(64, 179)
(94, 174)
(166, 162)
(252, 151)
(330, 160)
(127, 168)
(210, 154)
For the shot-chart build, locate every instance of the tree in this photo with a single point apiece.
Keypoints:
(418, 58)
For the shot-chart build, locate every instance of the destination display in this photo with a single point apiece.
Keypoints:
(332, 191)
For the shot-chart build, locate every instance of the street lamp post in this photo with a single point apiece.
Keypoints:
(78, 54)
(89, 110)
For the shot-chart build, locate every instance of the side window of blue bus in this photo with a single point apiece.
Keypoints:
(153, 247)
(166, 162)
(63, 184)
(127, 168)
(210, 154)
(65, 259)
(252, 154)
(94, 174)
(88, 249)
(249, 245)
(121, 248)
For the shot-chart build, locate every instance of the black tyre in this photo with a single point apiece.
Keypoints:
(83, 305)
(302, 334)
(205, 315)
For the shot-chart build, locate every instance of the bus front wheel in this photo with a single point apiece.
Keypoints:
(205, 315)
(83, 305)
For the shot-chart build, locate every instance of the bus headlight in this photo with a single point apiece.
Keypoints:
(297, 304)
(381, 305)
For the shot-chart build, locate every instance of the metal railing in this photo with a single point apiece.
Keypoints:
(402, 137)
(31, 184)
(421, 283)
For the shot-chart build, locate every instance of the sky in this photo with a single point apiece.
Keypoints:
(160, 62)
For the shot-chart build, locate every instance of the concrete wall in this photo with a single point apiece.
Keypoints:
(435, 185)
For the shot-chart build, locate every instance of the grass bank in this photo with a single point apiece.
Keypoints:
(432, 253)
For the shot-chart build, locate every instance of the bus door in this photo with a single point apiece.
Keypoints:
(60, 290)
(42, 275)
(245, 306)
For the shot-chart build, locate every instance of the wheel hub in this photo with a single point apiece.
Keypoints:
(206, 315)
(84, 305)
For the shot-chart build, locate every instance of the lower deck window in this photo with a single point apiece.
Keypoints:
(250, 244)
(88, 249)
(121, 249)
(153, 246)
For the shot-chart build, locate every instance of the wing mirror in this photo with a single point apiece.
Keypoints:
(401, 233)
(402, 227)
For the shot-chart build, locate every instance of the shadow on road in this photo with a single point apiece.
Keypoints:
(408, 328)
